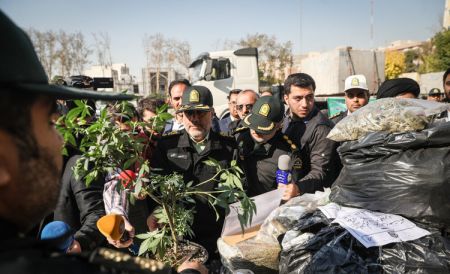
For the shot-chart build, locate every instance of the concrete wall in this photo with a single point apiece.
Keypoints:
(426, 81)
(329, 69)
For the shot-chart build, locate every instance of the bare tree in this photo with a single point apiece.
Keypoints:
(183, 55)
(225, 44)
(80, 52)
(170, 52)
(285, 59)
(103, 49)
(63, 53)
(274, 57)
(45, 44)
(155, 48)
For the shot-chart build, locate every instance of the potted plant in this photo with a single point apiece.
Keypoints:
(107, 149)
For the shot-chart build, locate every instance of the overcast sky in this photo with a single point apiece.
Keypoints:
(311, 25)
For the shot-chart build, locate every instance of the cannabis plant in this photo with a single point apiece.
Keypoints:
(107, 149)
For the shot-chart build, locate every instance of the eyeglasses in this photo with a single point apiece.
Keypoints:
(248, 106)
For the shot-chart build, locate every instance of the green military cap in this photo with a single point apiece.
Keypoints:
(21, 71)
(266, 113)
(196, 98)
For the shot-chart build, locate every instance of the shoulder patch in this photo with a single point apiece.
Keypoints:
(225, 134)
(171, 133)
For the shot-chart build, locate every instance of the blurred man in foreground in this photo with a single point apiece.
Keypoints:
(31, 165)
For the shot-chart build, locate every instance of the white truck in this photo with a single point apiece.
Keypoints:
(222, 71)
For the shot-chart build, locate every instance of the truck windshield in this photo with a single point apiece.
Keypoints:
(220, 69)
(195, 71)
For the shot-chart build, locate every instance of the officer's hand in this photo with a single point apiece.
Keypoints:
(119, 244)
(192, 265)
(75, 247)
(290, 191)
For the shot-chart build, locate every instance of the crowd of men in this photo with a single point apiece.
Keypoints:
(257, 131)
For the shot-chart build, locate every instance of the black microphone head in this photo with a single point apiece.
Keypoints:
(283, 162)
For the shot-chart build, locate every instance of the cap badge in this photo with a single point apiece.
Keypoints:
(194, 97)
(355, 82)
(264, 110)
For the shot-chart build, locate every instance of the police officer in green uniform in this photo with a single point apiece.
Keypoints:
(31, 165)
(186, 150)
(261, 143)
(356, 96)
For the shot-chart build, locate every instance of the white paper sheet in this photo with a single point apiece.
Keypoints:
(265, 203)
(373, 228)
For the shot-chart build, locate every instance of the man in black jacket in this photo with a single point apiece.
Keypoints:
(308, 128)
(31, 165)
(80, 207)
(186, 150)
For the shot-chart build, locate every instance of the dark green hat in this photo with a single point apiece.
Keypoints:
(196, 98)
(267, 111)
(21, 71)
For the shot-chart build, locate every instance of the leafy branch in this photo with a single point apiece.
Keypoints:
(108, 149)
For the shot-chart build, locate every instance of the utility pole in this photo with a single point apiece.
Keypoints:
(376, 76)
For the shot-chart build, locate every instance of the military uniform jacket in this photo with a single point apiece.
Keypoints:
(175, 153)
(260, 161)
(338, 117)
(321, 164)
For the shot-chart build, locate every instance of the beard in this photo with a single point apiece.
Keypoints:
(38, 189)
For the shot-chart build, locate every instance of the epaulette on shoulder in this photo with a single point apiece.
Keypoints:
(239, 129)
(336, 115)
(117, 260)
(171, 133)
(290, 143)
(226, 134)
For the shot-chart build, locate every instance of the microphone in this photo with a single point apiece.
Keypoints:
(60, 233)
(283, 175)
(113, 226)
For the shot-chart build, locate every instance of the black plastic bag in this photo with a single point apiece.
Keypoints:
(334, 250)
(329, 251)
(406, 174)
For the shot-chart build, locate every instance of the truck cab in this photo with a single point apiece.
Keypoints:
(222, 71)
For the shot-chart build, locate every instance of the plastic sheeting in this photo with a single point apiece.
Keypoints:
(261, 253)
(406, 174)
(332, 249)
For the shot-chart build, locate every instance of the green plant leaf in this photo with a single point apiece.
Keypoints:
(233, 163)
(237, 182)
(129, 162)
(165, 116)
(143, 248)
(162, 108)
